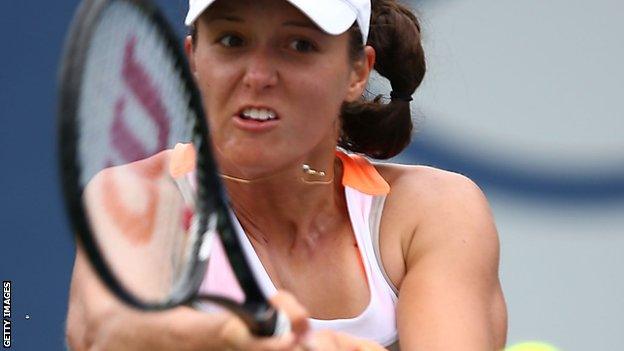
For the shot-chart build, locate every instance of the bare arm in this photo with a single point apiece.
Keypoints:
(450, 296)
(98, 321)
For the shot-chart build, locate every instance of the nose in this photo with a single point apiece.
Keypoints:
(261, 72)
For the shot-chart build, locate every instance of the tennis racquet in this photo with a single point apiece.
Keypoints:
(140, 183)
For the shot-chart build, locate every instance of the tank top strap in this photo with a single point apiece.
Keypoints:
(359, 173)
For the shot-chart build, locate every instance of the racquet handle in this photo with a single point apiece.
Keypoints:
(282, 324)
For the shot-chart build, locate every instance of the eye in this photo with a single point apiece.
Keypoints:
(231, 40)
(302, 45)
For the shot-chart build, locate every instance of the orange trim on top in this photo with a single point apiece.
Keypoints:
(360, 174)
(183, 160)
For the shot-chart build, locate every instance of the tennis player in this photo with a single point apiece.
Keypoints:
(372, 255)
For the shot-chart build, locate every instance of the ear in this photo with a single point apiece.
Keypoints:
(190, 53)
(359, 76)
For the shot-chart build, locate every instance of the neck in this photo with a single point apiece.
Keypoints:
(290, 209)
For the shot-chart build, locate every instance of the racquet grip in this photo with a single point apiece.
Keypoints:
(282, 324)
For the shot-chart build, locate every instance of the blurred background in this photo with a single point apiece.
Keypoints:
(524, 97)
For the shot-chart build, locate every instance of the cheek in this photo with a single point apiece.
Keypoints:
(211, 81)
(215, 85)
(321, 95)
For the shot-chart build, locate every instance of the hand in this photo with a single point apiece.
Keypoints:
(237, 337)
(328, 340)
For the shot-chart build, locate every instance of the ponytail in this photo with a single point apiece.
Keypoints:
(376, 129)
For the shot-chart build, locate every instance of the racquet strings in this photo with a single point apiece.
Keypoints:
(147, 205)
(139, 191)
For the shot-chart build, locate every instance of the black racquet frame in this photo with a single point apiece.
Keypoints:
(256, 311)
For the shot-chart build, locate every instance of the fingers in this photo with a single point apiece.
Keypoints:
(236, 337)
(296, 313)
(235, 334)
(327, 340)
(324, 340)
(367, 345)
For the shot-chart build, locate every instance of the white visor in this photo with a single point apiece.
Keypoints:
(332, 16)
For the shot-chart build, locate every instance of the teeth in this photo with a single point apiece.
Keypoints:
(259, 114)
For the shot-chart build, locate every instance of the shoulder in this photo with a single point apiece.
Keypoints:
(442, 224)
(429, 182)
(430, 210)
(427, 193)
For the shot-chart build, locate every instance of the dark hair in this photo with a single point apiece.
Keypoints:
(374, 128)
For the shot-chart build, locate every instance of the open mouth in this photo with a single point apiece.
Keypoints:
(258, 114)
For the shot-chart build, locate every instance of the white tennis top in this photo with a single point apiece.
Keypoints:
(378, 320)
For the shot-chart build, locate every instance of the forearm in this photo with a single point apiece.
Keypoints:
(178, 329)
(96, 320)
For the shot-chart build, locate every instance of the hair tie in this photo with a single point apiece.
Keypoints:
(397, 96)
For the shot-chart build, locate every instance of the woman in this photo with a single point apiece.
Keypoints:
(404, 255)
